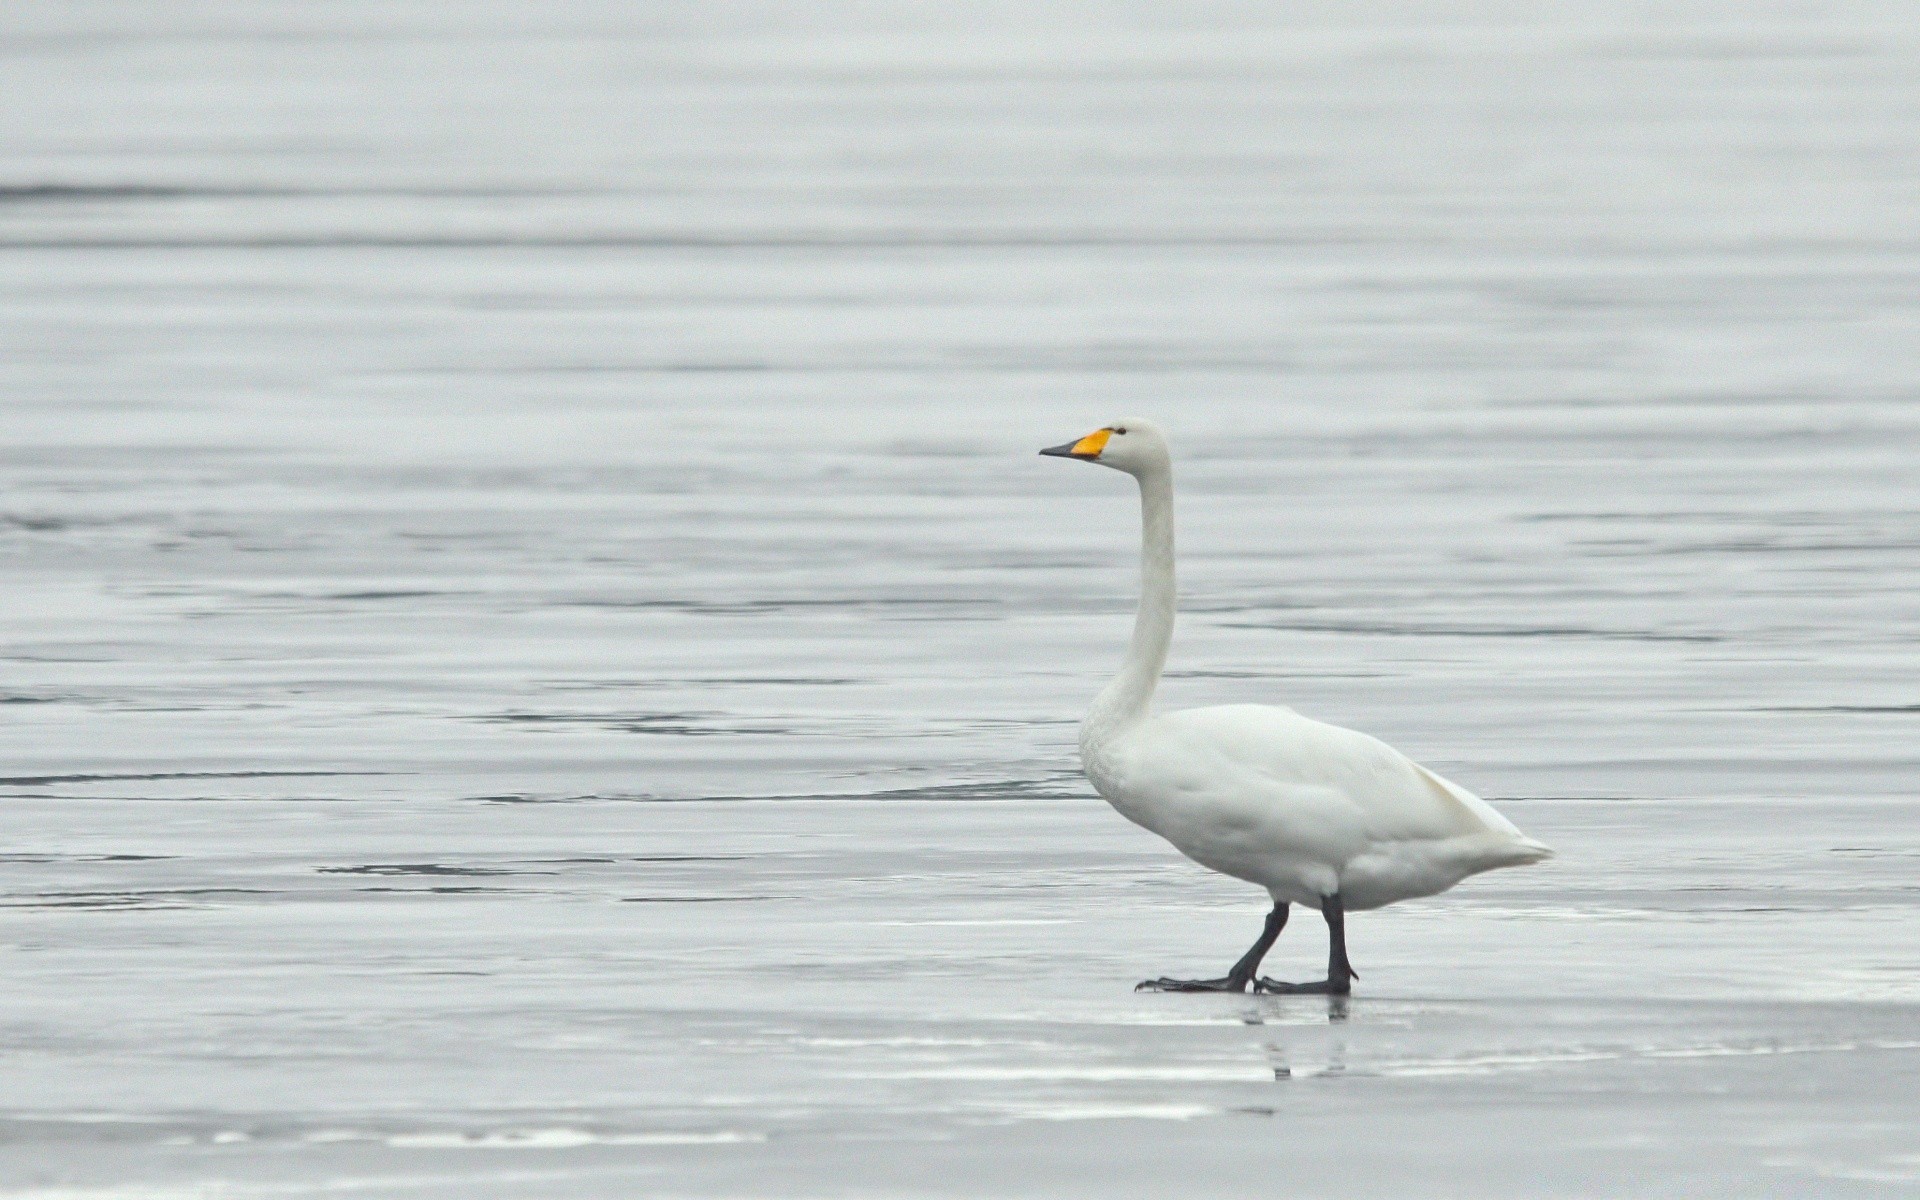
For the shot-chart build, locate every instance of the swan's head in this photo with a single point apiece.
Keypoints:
(1133, 445)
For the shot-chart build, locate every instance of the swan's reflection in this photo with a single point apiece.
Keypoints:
(1280, 1056)
(1339, 1008)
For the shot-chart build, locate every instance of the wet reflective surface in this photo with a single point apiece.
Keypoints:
(540, 658)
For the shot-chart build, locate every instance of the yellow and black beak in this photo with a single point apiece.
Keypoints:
(1088, 447)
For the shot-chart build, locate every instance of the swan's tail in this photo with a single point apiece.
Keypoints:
(1518, 851)
(1501, 844)
(1471, 855)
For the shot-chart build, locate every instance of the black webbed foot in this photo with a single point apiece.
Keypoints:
(1319, 987)
(1242, 973)
(1164, 984)
(1340, 972)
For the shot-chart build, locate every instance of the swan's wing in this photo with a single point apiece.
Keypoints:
(1183, 784)
(1286, 756)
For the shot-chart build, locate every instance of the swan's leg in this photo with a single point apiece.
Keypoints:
(1243, 972)
(1340, 974)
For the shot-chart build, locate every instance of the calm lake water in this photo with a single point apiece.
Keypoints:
(539, 658)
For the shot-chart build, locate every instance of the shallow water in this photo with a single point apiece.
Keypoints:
(540, 659)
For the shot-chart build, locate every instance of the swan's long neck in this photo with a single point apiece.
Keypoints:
(1127, 697)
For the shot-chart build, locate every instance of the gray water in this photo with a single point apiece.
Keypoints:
(539, 659)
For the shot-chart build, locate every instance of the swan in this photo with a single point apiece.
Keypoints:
(1317, 815)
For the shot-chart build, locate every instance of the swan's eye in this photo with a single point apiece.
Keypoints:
(1120, 429)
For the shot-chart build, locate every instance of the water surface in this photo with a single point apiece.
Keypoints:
(540, 659)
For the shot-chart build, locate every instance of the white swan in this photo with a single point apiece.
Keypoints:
(1316, 814)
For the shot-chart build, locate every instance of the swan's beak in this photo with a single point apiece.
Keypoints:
(1088, 447)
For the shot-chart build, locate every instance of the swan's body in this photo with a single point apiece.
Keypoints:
(1315, 814)
(1302, 809)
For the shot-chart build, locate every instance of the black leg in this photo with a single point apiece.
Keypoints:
(1340, 973)
(1243, 972)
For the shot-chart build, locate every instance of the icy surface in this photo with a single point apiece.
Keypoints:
(540, 660)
